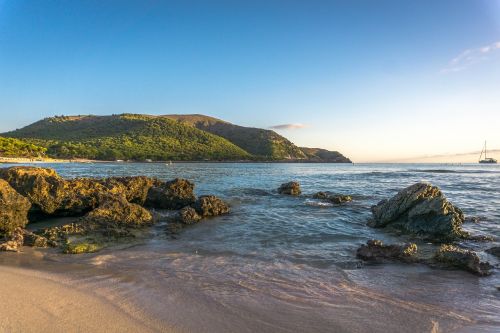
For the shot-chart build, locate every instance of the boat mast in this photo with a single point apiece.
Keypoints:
(485, 157)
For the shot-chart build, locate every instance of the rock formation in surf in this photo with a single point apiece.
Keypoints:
(420, 209)
(110, 208)
(290, 188)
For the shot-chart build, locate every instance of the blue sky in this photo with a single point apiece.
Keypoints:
(377, 80)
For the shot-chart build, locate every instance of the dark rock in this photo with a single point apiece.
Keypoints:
(468, 260)
(174, 194)
(43, 187)
(420, 209)
(494, 251)
(14, 242)
(34, 240)
(333, 198)
(13, 209)
(290, 188)
(57, 235)
(210, 205)
(188, 215)
(376, 251)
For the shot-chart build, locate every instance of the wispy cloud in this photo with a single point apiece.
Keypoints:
(288, 126)
(471, 57)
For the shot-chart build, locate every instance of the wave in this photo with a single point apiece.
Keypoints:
(453, 171)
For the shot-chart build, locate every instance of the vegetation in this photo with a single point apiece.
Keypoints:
(262, 143)
(323, 155)
(158, 138)
(10, 147)
(127, 137)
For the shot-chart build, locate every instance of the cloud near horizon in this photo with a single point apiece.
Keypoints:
(288, 126)
(471, 57)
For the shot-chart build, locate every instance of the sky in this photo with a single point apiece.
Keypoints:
(380, 81)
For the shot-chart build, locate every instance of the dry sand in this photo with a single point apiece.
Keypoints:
(31, 302)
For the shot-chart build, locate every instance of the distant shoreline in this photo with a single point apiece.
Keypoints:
(16, 160)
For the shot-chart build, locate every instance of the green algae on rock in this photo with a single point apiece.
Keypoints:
(81, 247)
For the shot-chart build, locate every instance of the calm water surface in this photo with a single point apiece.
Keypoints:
(287, 264)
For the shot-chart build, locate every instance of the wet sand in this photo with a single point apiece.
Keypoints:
(33, 302)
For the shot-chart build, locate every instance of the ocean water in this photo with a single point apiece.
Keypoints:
(288, 264)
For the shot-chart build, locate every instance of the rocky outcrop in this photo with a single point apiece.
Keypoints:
(420, 209)
(333, 198)
(58, 235)
(34, 240)
(188, 215)
(43, 187)
(14, 242)
(106, 208)
(135, 189)
(376, 251)
(13, 209)
(174, 194)
(290, 188)
(210, 205)
(468, 260)
(118, 211)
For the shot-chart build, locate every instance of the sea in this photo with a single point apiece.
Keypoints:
(278, 263)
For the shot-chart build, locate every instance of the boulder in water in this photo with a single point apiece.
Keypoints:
(468, 260)
(376, 251)
(188, 215)
(13, 209)
(210, 205)
(290, 188)
(420, 209)
(333, 198)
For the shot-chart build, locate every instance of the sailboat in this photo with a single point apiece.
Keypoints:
(487, 160)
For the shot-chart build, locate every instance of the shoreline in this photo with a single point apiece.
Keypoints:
(19, 160)
(56, 306)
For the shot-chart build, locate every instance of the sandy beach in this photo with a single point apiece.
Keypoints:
(24, 160)
(34, 302)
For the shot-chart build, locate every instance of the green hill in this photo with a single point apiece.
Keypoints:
(323, 155)
(160, 138)
(128, 137)
(10, 147)
(262, 143)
